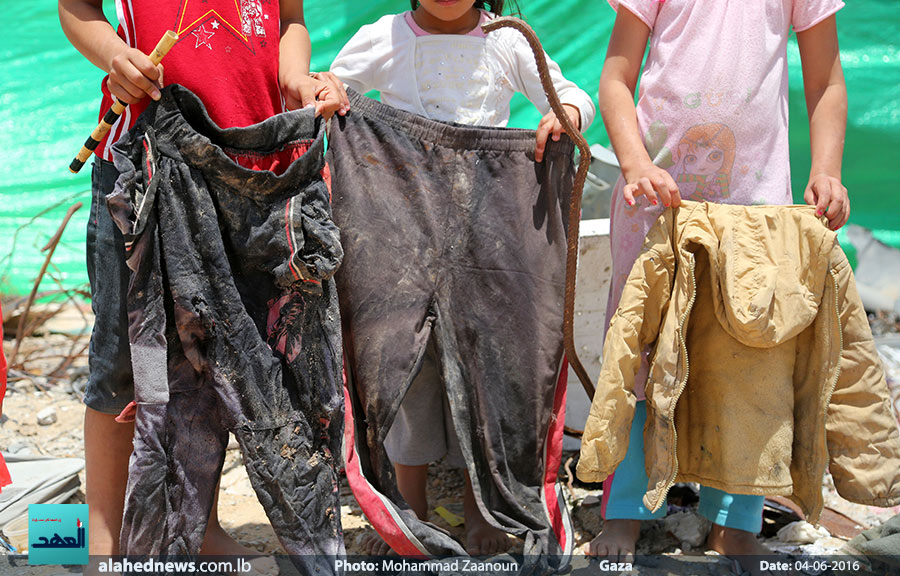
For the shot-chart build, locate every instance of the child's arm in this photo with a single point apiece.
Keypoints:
(826, 104)
(300, 90)
(131, 74)
(526, 79)
(617, 84)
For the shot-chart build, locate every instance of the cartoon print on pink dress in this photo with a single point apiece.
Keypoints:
(703, 160)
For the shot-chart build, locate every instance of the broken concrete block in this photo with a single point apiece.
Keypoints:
(47, 416)
(688, 527)
(801, 532)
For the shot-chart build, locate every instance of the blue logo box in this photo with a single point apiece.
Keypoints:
(57, 533)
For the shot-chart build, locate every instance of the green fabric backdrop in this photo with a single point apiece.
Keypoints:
(50, 96)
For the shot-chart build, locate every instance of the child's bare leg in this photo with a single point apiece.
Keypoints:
(107, 448)
(481, 537)
(217, 542)
(617, 540)
(412, 482)
(737, 543)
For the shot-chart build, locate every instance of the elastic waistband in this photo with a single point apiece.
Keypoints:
(183, 128)
(451, 135)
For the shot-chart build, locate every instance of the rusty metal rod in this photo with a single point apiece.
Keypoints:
(575, 202)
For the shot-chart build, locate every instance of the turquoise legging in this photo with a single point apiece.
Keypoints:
(624, 490)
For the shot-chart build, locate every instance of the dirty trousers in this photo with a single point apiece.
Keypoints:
(454, 232)
(233, 324)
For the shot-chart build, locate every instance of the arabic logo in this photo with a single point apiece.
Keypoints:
(58, 542)
(58, 534)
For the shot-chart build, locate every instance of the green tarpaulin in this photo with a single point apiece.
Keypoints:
(50, 96)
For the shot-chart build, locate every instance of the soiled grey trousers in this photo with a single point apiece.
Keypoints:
(233, 324)
(456, 233)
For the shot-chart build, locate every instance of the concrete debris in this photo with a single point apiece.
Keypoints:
(47, 416)
(688, 527)
(590, 501)
(801, 532)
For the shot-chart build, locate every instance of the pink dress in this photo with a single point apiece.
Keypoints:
(712, 108)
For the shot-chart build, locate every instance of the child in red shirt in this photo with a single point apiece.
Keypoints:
(247, 60)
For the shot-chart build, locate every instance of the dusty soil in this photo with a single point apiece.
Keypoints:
(243, 517)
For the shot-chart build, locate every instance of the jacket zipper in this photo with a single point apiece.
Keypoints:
(832, 384)
(682, 384)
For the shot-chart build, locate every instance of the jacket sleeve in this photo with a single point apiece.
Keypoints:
(633, 327)
(861, 429)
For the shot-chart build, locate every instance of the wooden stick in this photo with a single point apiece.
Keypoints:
(165, 44)
(49, 249)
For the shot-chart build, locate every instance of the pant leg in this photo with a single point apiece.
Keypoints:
(110, 386)
(623, 491)
(739, 511)
(416, 438)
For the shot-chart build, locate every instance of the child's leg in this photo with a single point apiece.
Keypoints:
(737, 511)
(414, 441)
(416, 437)
(622, 506)
(412, 482)
(737, 519)
(482, 538)
(217, 542)
(107, 448)
(107, 443)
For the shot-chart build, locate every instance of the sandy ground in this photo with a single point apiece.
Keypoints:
(243, 517)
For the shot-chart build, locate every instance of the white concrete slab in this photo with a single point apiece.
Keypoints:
(591, 291)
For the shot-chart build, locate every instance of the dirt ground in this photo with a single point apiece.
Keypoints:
(243, 517)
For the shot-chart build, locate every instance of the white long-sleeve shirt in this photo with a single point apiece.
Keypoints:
(469, 79)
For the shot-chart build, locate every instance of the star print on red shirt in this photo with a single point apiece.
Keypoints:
(227, 54)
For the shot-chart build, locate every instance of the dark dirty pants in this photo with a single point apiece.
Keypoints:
(233, 323)
(455, 233)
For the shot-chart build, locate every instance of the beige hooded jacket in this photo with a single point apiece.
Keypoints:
(763, 370)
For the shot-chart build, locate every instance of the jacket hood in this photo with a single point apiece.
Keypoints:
(767, 267)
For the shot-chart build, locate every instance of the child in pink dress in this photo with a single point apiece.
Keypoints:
(710, 124)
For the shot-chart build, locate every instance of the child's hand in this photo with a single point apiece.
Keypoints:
(830, 198)
(550, 125)
(323, 90)
(132, 76)
(654, 183)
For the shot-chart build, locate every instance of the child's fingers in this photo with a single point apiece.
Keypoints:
(136, 68)
(127, 93)
(629, 192)
(338, 86)
(674, 192)
(307, 95)
(557, 130)
(838, 211)
(838, 198)
(543, 132)
(809, 196)
(646, 188)
(822, 191)
(328, 101)
(661, 186)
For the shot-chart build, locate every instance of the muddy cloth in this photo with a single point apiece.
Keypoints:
(233, 323)
(882, 543)
(454, 232)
